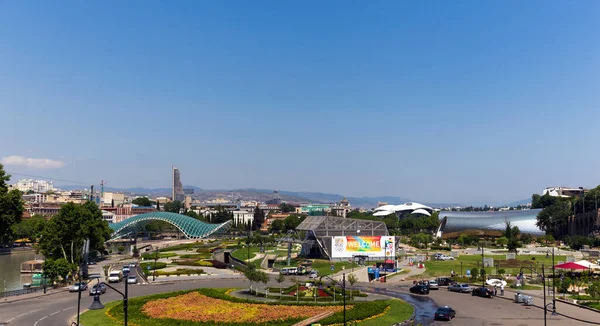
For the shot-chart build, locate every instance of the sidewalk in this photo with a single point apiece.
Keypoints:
(562, 308)
(17, 298)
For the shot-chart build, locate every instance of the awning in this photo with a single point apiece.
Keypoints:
(587, 264)
(570, 265)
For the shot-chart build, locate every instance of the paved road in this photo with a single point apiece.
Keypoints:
(472, 310)
(56, 309)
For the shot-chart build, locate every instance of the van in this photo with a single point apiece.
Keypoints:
(115, 277)
(293, 270)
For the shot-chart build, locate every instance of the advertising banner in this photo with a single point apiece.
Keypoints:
(374, 246)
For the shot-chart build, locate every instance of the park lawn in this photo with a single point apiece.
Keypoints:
(398, 311)
(98, 317)
(324, 266)
(437, 268)
(242, 253)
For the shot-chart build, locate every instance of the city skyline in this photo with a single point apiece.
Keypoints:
(469, 102)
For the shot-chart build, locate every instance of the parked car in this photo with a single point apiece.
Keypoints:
(132, 279)
(463, 288)
(444, 313)
(482, 292)
(79, 286)
(289, 271)
(420, 289)
(445, 281)
(433, 285)
(115, 277)
(445, 257)
(92, 262)
(98, 289)
(313, 275)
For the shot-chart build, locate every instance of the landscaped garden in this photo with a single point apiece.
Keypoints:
(437, 268)
(218, 307)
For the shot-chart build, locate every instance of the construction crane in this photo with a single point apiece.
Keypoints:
(102, 183)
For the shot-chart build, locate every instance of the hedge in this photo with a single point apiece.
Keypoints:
(181, 271)
(153, 266)
(160, 255)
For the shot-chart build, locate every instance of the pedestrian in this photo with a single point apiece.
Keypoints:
(502, 289)
(495, 291)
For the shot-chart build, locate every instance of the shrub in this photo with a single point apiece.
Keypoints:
(153, 266)
(181, 271)
(152, 255)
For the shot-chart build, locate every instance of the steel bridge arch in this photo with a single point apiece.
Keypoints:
(190, 227)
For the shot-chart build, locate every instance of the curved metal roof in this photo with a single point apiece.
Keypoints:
(489, 221)
(190, 227)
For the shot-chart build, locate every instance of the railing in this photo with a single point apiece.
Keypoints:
(20, 292)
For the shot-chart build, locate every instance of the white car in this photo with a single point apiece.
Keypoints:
(79, 286)
(444, 257)
(433, 285)
(115, 277)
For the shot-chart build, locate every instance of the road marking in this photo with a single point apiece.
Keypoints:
(8, 321)
(54, 313)
(68, 308)
(39, 320)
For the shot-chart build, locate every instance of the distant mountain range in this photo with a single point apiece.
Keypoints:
(289, 196)
(266, 194)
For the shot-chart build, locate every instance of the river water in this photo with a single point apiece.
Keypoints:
(10, 270)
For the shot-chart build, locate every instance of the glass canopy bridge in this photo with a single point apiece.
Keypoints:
(190, 227)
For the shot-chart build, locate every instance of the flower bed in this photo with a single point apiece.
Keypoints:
(200, 308)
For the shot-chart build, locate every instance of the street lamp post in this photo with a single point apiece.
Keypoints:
(154, 269)
(98, 305)
(553, 287)
(483, 267)
(343, 292)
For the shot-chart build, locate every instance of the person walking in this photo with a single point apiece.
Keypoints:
(502, 289)
(495, 291)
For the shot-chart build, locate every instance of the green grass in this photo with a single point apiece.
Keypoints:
(242, 254)
(98, 317)
(324, 266)
(399, 311)
(442, 268)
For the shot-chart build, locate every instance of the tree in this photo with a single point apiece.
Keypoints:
(593, 290)
(553, 219)
(221, 216)
(287, 208)
(142, 201)
(513, 244)
(173, 207)
(474, 273)
(278, 226)
(259, 219)
(157, 205)
(31, 228)
(502, 241)
(280, 279)
(11, 208)
(65, 233)
(53, 269)
(352, 280)
(291, 222)
(195, 215)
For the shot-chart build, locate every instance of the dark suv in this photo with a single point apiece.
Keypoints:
(445, 281)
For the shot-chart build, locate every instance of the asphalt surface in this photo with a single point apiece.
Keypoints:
(57, 309)
(471, 310)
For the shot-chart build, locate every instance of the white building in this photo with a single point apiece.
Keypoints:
(403, 210)
(35, 198)
(39, 186)
(242, 217)
(108, 216)
(109, 197)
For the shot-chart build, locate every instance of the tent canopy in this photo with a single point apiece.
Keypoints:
(587, 264)
(570, 265)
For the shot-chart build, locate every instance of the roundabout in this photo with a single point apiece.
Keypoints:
(218, 307)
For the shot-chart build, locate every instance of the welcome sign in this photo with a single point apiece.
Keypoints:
(375, 246)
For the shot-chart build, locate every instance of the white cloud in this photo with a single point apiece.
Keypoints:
(33, 163)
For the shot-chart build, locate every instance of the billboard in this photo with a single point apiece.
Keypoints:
(374, 246)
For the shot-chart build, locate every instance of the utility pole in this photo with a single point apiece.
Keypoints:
(483, 266)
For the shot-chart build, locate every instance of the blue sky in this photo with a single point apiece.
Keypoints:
(464, 101)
